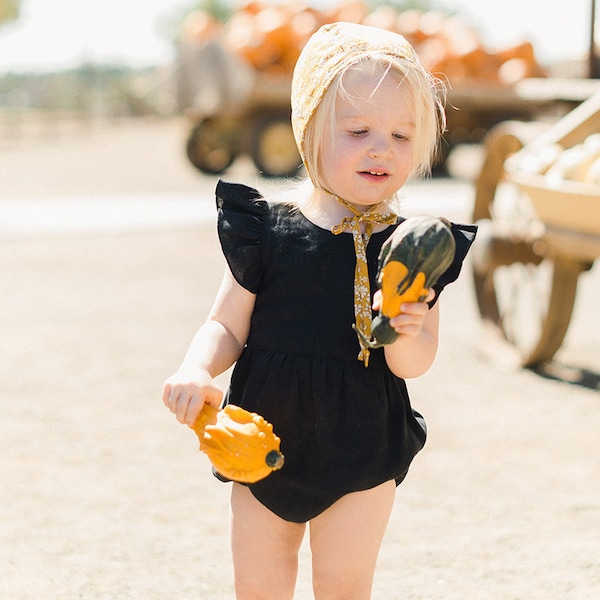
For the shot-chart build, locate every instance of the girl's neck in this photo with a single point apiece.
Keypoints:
(326, 210)
(358, 208)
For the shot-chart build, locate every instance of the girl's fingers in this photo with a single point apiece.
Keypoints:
(166, 395)
(183, 403)
(171, 397)
(414, 308)
(194, 408)
(410, 321)
(376, 300)
(186, 400)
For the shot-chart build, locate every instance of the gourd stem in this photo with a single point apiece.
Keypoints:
(369, 343)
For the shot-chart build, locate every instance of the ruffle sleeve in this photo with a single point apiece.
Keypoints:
(241, 213)
(464, 236)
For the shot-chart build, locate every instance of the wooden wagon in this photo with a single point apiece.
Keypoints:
(536, 235)
(235, 110)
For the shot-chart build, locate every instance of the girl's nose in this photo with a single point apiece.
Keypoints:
(380, 147)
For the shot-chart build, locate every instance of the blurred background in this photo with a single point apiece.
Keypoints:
(225, 65)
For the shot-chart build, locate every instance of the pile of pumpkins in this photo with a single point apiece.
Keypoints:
(270, 37)
(580, 162)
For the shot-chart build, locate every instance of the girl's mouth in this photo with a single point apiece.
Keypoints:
(373, 175)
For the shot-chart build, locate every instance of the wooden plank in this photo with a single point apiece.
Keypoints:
(571, 205)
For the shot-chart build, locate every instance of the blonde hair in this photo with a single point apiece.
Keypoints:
(425, 93)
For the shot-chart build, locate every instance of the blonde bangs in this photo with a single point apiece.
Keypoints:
(426, 93)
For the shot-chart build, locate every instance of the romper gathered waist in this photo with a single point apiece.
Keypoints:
(311, 344)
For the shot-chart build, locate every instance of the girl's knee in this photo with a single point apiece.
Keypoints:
(265, 577)
(331, 586)
(247, 589)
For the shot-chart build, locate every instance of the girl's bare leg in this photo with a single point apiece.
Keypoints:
(345, 542)
(265, 549)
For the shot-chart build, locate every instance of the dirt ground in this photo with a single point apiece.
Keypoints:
(105, 496)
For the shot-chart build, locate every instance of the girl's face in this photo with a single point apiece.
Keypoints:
(368, 154)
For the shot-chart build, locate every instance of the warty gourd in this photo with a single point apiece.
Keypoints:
(240, 445)
(410, 262)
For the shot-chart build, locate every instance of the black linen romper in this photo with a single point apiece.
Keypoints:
(343, 427)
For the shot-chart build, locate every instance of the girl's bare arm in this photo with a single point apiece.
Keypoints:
(414, 351)
(215, 347)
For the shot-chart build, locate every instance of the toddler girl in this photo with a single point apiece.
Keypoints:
(366, 117)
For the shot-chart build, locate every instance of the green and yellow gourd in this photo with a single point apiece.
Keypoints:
(240, 445)
(409, 264)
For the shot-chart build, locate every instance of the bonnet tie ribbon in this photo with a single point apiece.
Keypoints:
(362, 290)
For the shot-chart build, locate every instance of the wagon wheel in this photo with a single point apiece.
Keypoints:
(523, 290)
(273, 148)
(210, 147)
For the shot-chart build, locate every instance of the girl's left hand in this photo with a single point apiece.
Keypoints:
(410, 321)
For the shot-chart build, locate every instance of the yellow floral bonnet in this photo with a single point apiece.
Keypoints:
(332, 49)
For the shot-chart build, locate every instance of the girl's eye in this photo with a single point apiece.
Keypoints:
(361, 132)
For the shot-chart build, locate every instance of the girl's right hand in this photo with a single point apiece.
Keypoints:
(185, 394)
